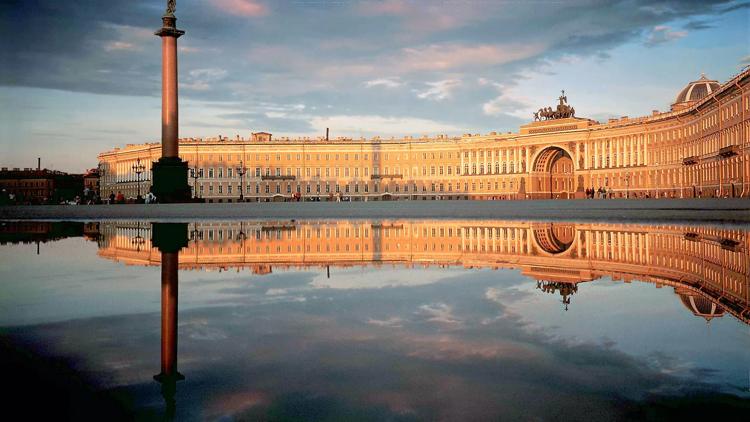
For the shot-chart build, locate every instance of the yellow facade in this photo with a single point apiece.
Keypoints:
(699, 149)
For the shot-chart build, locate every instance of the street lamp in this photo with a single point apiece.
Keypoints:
(138, 241)
(195, 173)
(627, 185)
(100, 170)
(138, 168)
(241, 236)
(241, 170)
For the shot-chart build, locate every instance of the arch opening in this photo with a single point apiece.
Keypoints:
(554, 238)
(553, 175)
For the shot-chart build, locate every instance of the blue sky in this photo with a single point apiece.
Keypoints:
(90, 81)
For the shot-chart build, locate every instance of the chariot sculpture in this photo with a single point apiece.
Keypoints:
(562, 111)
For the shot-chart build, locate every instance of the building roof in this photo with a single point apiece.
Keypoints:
(697, 90)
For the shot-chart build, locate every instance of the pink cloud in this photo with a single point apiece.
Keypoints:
(246, 8)
(453, 56)
(386, 7)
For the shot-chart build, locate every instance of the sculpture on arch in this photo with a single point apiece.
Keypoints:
(562, 111)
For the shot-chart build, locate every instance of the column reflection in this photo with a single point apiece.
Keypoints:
(169, 239)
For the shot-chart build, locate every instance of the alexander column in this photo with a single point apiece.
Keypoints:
(170, 173)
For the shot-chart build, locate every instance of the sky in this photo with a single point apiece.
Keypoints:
(83, 76)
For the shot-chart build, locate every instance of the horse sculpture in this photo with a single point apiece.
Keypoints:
(563, 110)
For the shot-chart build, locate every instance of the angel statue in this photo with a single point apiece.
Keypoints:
(171, 6)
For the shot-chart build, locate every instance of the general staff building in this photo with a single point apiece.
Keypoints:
(699, 148)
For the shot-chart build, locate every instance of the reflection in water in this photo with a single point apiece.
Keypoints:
(168, 238)
(707, 267)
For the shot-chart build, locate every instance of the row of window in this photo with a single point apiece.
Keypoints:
(230, 173)
(279, 188)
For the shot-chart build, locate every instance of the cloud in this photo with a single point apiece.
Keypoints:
(384, 82)
(244, 8)
(697, 25)
(439, 90)
(661, 34)
(508, 102)
(119, 45)
(382, 125)
(441, 313)
(202, 79)
(386, 7)
(442, 57)
(394, 322)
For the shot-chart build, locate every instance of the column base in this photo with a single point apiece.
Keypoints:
(170, 180)
(169, 237)
(167, 378)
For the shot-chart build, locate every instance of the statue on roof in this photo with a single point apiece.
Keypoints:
(562, 111)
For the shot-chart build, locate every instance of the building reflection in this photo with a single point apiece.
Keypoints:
(708, 267)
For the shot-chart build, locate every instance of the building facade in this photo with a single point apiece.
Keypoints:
(699, 148)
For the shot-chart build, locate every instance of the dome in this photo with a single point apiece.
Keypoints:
(697, 90)
(698, 305)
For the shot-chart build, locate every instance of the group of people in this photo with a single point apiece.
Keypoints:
(150, 198)
(600, 193)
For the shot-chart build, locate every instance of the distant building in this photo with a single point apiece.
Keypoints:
(699, 148)
(30, 186)
(91, 180)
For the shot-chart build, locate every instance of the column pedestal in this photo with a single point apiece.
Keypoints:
(170, 180)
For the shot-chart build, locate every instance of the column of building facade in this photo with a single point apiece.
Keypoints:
(517, 156)
(619, 152)
(596, 154)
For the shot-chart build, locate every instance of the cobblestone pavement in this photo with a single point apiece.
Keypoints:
(735, 211)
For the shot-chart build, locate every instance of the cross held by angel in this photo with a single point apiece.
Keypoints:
(171, 6)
